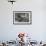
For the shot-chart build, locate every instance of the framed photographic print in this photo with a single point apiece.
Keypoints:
(22, 17)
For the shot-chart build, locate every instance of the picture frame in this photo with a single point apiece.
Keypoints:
(22, 17)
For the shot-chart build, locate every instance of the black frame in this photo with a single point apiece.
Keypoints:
(25, 23)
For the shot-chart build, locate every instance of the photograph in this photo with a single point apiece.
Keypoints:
(22, 17)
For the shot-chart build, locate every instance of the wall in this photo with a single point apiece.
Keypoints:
(9, 31)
